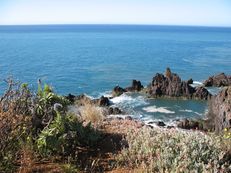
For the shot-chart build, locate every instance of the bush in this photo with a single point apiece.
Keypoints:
(174, 151)
(64, 135)
(45, 104)
(14, 131)
(17, 98)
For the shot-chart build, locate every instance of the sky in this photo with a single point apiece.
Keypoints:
(160, 12)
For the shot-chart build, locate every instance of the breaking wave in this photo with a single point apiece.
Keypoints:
(158, 109)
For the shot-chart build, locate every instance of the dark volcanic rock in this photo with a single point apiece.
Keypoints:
(103, 101)
(117, 91)
(218, 81)
(71, 98)
(128, 118)
(190, 81)
(171, 85)
(190, 124)
(161, 123)
(202, 93)
(136, 86)
(220, 110)
(82, 99)
(114, 111)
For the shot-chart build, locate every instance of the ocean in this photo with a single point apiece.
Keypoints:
(92, 59)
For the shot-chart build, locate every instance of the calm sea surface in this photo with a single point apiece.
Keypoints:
(94, 58)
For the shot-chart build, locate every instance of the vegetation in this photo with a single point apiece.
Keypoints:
(37, 127)
(64, 135)
(39, 123)
(91, 113)
(175, 151)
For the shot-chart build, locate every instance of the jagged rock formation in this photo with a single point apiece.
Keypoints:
(83, 99)
(218, 81)
(135, 87)
(171, 85)
(117, 91)
(220, 110)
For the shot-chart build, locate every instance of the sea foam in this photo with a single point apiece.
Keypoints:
(129, 100)
(158, 109)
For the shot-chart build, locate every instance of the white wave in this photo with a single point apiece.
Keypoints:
(106, 94)
(158, 109)
(191, 111)
(186, 110)
(214, 90)
(121, 99)
(198, 113)
(89, 96)
(120, 116)
(125, 99)
(187, 60)
(196, 84)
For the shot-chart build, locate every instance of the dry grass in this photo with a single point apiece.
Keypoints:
(26, 159)
(13, 131)
(91, 113)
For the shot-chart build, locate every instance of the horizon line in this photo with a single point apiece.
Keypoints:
(114, 24)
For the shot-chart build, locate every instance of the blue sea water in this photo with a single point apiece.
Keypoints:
(93, 59)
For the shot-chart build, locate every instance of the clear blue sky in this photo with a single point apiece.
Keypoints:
(168, 12)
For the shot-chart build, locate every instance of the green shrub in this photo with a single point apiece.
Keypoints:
(174, 151)
(64, 135)
(46, 98)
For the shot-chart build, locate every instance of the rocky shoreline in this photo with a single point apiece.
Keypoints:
(170, 85)
(93, 135)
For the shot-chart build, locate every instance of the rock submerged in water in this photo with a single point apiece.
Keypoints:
(220, 110)
(171, 85)
(117, 91)
(136, 87)
(219, 80)
(190, 81)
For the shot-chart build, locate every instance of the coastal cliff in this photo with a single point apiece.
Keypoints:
(220, 110)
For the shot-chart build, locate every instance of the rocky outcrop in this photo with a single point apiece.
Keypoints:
(201, 93)
(71, 98)
(135, 87)
(191, 124)
(171, 85)
(114, 111)
(84, 99)
(218, 81)
(117, 91)
(102, 101)
(220, 110)
(190, 81)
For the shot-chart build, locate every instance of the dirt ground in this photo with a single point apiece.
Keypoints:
(100, 158)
